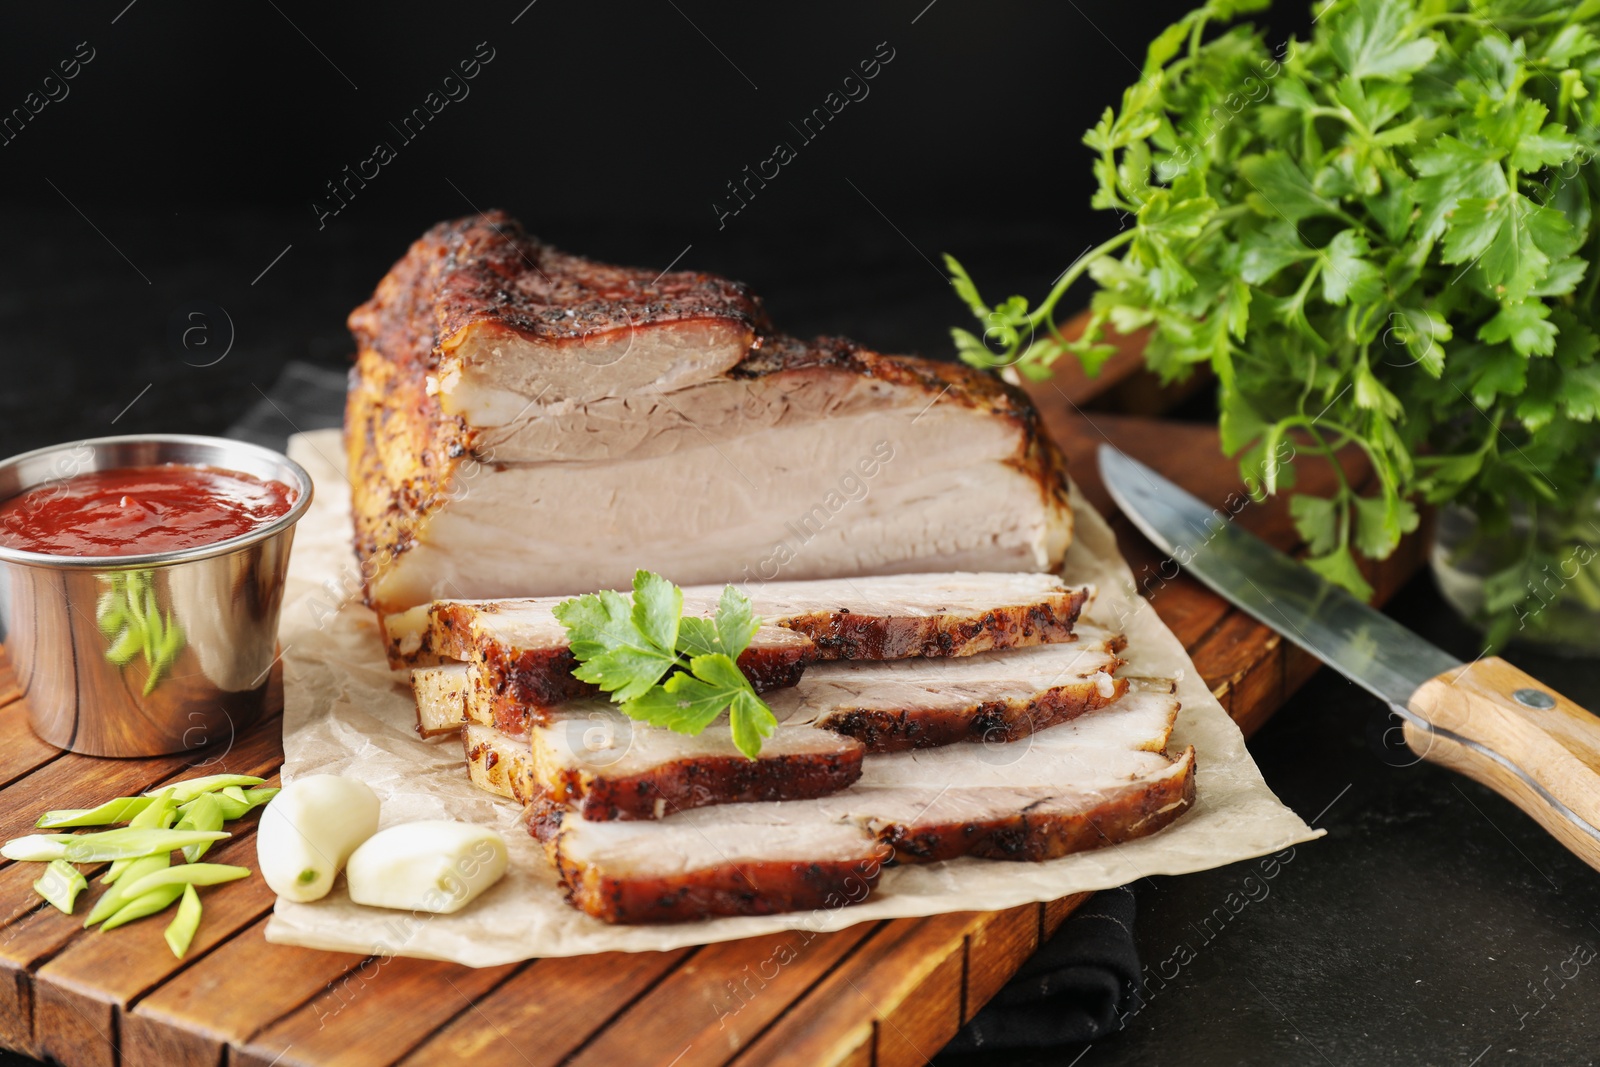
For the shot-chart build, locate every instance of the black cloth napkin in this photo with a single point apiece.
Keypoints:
(1074, 988)
(1073, 991)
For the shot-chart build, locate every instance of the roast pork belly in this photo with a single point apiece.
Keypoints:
(605, 765)
(523, 422)
(501, 324)
(747, 859)
(992, 697)
(887, 706)
(441, 696)
(498, 763)
(1098, 780)
(875, 618)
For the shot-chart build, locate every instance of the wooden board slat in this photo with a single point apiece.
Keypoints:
(373, 1016)
(713, 1005)
(227, 997)
(878, 994)
(548, 1011)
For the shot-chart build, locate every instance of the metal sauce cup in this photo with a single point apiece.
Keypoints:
(150, 654)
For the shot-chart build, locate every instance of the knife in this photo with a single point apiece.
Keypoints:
(1485, 719)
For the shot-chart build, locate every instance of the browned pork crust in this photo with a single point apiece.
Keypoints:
(745, 889)
(989, 722)
(698, 782)
(1138, 811)
(846, 635)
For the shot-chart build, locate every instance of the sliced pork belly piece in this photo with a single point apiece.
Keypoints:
(739, 454)
(937, 615)
(441, 696)
(605, 765)
(514, 685)
(884, 617)
(992, 697)
(925, 825)
(498, 763)
(748, 859)
(1099, 780)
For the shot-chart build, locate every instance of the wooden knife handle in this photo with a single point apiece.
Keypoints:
(1554, 741)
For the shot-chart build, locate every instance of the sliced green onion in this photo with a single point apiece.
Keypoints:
(261, 795)
(186, 874)
(183, 792)
(158, 816)
(124, 648)
(37, 848)
(185, 923)
(132, 842)
(122, 809)
(139, 907)
(115, 897)
(61, 884)
(204, 812)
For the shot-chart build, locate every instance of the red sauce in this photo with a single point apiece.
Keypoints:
(136, 510)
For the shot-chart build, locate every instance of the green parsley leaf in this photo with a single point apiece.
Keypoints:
(661, 668)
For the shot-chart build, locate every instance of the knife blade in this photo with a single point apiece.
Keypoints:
(1486, 719)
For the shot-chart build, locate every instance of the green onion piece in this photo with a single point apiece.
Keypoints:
(61, 884)
(139, 907)
(258, 797)
(115, 897)
(124, 648)
(183, 792)
(131, 842)
(158, 816)
(37, 848)
(110, 613)
(186, 874)
(185, 923)
(204, 812)
(121, 809)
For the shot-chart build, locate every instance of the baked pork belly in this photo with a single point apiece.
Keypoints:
(872, 618)
(605, 765)
(992, 697)
(590, 755)
(523, 422)
(888, 705)
(513, 685)
(747, 859)
(441, 696)
(498, 763)
(1098, 780)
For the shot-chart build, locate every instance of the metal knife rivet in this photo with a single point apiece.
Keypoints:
(1534, 698)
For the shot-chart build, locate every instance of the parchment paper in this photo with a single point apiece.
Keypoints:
(347, 713)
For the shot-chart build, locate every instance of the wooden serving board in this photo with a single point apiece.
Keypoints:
(881, 993)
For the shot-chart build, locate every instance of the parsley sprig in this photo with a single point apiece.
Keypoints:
(665, 669)
(1382, 237)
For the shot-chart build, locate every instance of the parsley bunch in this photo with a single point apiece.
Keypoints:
(664, 669)
(1381, 237)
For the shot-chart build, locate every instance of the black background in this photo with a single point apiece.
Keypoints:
(188, 153)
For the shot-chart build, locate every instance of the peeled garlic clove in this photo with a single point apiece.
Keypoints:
(309, 830)
(435, 865)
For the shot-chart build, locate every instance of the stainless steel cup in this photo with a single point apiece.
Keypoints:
(151, 654)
